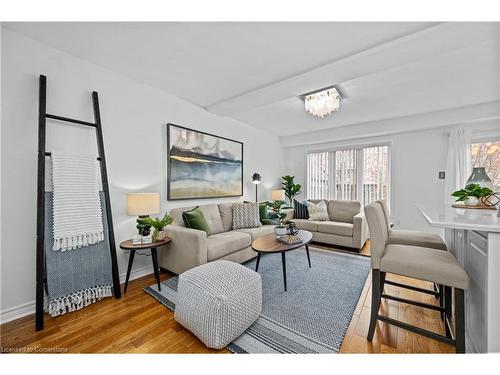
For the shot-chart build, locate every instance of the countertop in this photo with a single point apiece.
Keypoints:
(460, 218)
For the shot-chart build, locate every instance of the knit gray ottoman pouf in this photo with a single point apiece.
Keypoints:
(218, 301)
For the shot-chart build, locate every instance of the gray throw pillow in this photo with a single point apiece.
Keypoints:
(246, 215)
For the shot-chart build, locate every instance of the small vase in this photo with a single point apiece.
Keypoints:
(471, 201)
(279, 231)
(158, 235)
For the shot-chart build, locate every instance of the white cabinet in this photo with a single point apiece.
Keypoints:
(476, 266)
(471, 250)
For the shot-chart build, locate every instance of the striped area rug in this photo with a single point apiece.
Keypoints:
(312, 316)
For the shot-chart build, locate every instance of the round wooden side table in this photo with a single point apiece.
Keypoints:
(128, 245)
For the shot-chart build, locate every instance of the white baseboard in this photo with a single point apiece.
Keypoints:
(17, 312)
(28, 308)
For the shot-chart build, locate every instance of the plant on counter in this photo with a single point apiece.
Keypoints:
(472, 194)
(291, 188)
(158, 224)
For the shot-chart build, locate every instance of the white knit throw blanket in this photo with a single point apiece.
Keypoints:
(76, 206)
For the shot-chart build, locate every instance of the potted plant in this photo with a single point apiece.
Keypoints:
(277, 206)
(472, 194)
(291, 188)
(158, 225)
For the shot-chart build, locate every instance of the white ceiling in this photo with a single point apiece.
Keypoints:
(254, 72)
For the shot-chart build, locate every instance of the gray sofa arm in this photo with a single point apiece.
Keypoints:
(360, 230)
(187, 249)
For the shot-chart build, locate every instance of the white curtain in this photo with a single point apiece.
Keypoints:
(458, 166)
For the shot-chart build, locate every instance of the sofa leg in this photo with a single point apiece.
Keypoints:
(376, 279)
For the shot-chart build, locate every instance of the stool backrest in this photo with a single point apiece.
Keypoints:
(379, 232)
(385, 210)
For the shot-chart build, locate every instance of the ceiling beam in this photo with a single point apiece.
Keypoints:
(435, 40)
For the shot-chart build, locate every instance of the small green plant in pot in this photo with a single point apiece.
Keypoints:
(158, 225)
(291, 188)
(277, 206)
(472, 194)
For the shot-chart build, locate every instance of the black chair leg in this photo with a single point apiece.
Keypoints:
(448, 309)
(441, 298)
(376, 279)
(436, 288)
(382, 283)
(459, 321)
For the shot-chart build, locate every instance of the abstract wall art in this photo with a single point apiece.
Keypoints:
(202, 165)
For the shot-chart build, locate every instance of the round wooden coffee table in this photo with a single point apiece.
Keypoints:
(270, 244)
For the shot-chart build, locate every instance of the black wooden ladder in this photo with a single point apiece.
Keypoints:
(41, 277)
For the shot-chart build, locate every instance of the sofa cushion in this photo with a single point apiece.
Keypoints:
(343, 211)
(195, 219)
(210, 212)
(318, 212)
(336, 227)
(300, 210)
(222, 244)
(246, 215)
(212, 216)
(257, 232)
(309, 225)
(226, 215)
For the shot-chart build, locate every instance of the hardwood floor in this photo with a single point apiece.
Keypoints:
(137, 323)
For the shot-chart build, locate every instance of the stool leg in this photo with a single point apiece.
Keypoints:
(382, 283)
(447, 306)
(436, 288)
(459, 321)
(375, 303)
(441, 298)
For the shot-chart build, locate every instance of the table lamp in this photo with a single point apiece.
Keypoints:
(143, 205)
(278, 195)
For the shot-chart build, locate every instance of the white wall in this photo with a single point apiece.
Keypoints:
(134, 117)
(416, 159)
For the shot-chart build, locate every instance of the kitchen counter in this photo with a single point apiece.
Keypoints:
(473, 236)
(461, 218)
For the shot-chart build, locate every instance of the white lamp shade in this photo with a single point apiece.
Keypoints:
(278, 195)
(139, 204)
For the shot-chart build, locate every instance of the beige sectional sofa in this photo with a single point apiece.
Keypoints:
(347, 225)
(190, 247)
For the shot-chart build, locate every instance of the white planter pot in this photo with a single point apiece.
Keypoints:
(471, 201)
(278, 231)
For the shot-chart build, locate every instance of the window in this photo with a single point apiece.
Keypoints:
(487, 155)
(355, 173)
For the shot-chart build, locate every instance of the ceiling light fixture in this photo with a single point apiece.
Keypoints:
(322, 103)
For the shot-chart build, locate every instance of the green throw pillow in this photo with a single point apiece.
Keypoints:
(194, 219)
(263, 211)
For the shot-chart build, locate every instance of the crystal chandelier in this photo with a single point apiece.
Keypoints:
(322, 103)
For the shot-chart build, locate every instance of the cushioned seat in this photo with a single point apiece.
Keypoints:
(422, 263)
(335, 227)
(222, 244)
(309, 225)
(416, 238)
(257, 232)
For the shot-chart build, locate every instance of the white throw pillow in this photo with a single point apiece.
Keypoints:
(318, 212)
(246, 215)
